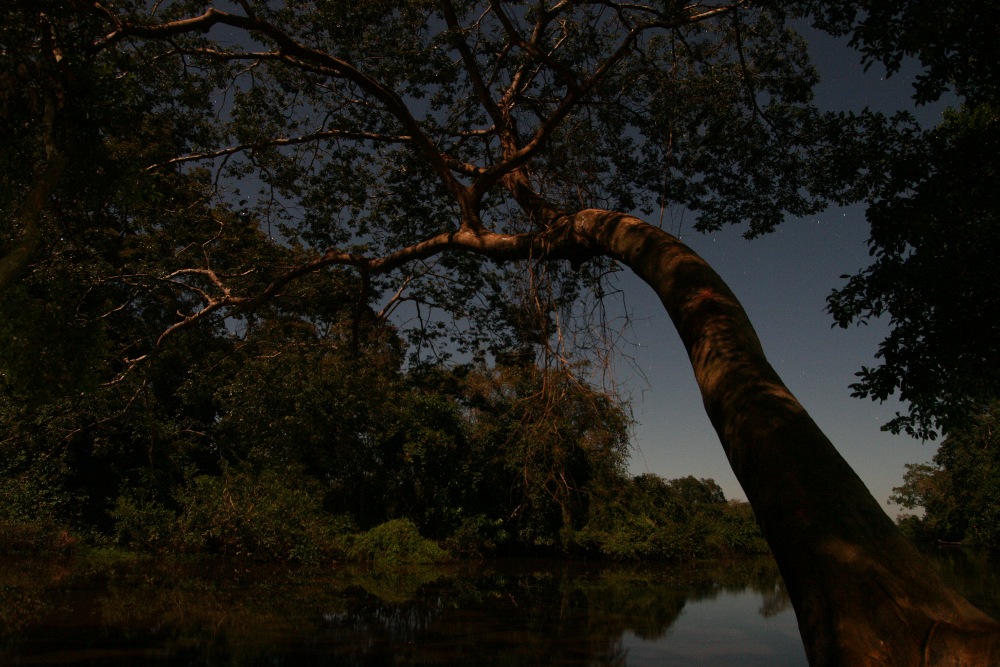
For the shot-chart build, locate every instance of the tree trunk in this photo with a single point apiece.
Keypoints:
(862, 593)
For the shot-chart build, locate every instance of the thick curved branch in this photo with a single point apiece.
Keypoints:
(555, 243)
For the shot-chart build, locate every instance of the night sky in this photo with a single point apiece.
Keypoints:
(782, 280)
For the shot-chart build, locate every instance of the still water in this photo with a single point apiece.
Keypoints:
(499, 613)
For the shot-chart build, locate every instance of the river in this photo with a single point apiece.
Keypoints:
(502, 613)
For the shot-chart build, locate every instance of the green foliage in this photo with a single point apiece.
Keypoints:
(933, 212)
(680, 519)
(44, 538)
(960, 493)
(396, 542)
(34, 485)
(478, 536)
(178, 326)
(267, 515)
(955, 43)
(545, 441)
(142, 524)
(934, 238)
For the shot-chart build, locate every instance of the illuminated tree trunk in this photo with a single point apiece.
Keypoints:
(862, 593)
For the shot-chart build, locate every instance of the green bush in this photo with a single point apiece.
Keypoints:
(267, 515)
(396, 542)
(37, 537)
(477, 536)
(657, 522)
(740, 533)
(142, 524)
(33, 486)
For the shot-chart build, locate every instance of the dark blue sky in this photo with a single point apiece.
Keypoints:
(782, 280)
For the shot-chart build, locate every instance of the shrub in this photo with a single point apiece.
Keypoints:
(267, 515)
(396, 542)
(142, 524)
(478, 535)
(36, 537)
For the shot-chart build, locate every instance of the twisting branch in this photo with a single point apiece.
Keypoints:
(555, 243)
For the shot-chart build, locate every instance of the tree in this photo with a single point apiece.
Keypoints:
(380, 135)
(933, 214)
(960, 492)
(549, 443)
(955, 45)
(934, 235)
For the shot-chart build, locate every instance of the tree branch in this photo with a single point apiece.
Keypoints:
(471, 66)
(557, 242)
(283, 141)
(298, 55)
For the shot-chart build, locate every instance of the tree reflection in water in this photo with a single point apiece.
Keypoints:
(519, 613)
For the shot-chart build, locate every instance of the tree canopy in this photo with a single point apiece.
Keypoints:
(372, 136)
(933, 215)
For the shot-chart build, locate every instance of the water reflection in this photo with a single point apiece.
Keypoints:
(521, 613)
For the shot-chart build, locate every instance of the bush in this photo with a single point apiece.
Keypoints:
(477, 536)
(37, 538)
(142, 524)
(35, 508)
(270, 515)
(734, 532)
(396, 542)
(662, 528)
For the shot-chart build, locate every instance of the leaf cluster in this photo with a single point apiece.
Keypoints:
(959, 492)
(956, 44)
(934, 238)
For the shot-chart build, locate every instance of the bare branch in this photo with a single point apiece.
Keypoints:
(471, 66)
(531, 47)
(284, 141)
(395, 300)
(298, 55)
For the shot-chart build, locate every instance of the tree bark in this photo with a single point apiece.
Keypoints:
(862, 593)
(15, 260)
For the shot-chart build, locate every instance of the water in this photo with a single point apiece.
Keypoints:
(499, 613)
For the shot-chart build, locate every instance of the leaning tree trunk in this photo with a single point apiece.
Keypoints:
(862, 593)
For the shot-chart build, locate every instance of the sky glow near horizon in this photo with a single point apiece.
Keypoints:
(782, 280)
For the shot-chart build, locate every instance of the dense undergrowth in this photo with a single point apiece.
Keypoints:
(282, 519)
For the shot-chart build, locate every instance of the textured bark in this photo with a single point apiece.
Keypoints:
(862, 593)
